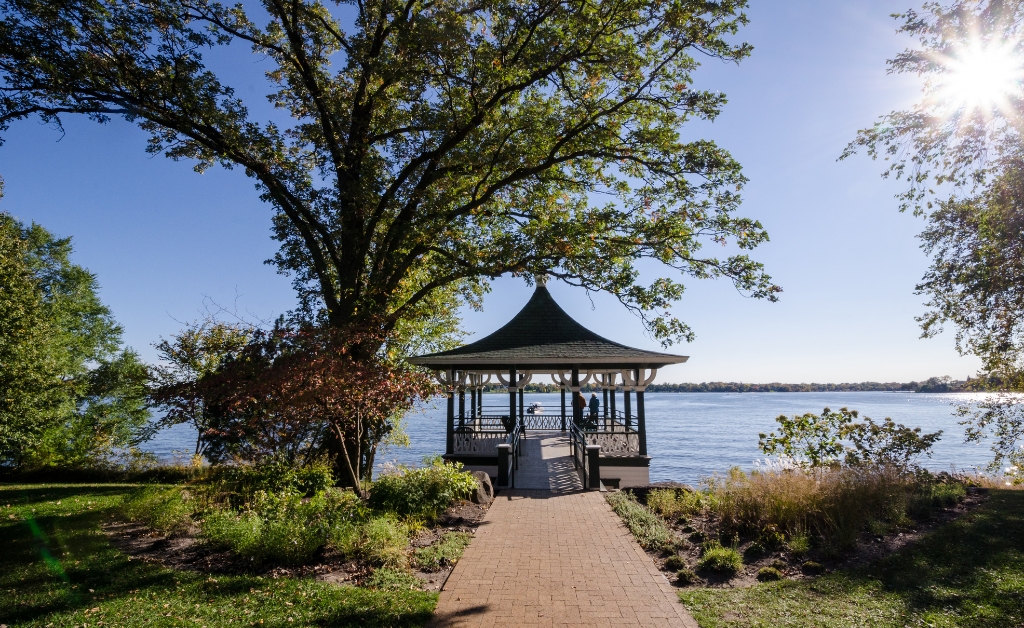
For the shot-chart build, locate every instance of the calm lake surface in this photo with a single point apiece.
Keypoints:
(690, 435)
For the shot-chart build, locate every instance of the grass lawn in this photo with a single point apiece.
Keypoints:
(967, 573)
(58, 569)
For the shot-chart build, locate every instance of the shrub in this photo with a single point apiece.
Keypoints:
(768, 574)
(164, 510)
(444, 552)
(686, 576)
(724, 560)
(813, 568)
(425, 492)
(675, 562)
(392, 580)
(647, 528)
(948, 494)
(280, 527)
(277, 476)
(679, 503)
(383, 542)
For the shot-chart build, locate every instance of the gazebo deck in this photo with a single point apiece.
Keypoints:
(546, 464)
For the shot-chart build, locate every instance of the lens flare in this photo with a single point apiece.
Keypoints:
(981, 77)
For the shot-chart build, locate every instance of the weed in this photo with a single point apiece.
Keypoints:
(386, 579)
(718, 559)
(769, 574)
(164, 510)
(383, 542)
(755, 551)
(813, 568)
(799, 543)
(879, 528)
(686, 576)
(444, 552)
(648, 529)
(675, 562)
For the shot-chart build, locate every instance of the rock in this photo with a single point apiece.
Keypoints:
(484, 492)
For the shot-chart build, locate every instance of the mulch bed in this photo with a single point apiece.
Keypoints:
(868, 549)
(189, 551)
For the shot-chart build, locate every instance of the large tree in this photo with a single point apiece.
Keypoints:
(960, 151)
(70, 394)
(428, 144)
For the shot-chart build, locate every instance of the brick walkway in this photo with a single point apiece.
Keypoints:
(541, 558)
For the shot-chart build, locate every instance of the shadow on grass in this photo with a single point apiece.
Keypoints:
(968, 565)
(56, 564)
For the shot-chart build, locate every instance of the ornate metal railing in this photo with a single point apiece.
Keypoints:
(615, 443)
(543, 421)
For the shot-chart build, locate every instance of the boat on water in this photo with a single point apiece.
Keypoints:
(535, 408)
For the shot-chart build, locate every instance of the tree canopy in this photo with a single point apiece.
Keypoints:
(961, 156)
(69, 392)
(429, 145)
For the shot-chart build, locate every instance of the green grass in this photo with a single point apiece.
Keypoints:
(968, 573)
(648, 529)
(57, 568)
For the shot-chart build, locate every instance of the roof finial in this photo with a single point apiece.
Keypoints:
(541, 279)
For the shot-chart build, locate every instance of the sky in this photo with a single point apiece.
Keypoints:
(165, 242)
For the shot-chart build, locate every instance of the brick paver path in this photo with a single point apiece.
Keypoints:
(542, 558)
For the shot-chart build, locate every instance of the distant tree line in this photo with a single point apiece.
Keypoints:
(931, 385)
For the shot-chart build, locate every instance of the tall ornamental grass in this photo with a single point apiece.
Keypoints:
(825, 506)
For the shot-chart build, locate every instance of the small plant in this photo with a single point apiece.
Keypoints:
(444, 552)
(778, 564)
(164, 510)
(755, 551)
(675, 562)
(425, 492)
(769, 574)
(946, 495)
(813, 568)
(878, 528)
(799, 544)
(647, 528)
(718, 559)
(771, 538)
(385, 579)
(686, 576)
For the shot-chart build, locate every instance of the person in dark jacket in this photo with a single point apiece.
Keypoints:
(595, 407)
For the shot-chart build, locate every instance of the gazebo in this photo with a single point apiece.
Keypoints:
(543, 339)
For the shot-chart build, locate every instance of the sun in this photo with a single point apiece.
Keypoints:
(980, 77)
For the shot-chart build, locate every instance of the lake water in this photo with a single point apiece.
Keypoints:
(690, 435)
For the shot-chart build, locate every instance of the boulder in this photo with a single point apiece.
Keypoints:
(484, 492)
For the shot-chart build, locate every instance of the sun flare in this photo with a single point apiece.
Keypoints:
(981, 78)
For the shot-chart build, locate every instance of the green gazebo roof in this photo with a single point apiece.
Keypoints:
(543, 336)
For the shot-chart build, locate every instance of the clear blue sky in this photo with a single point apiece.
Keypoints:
(161, 237)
